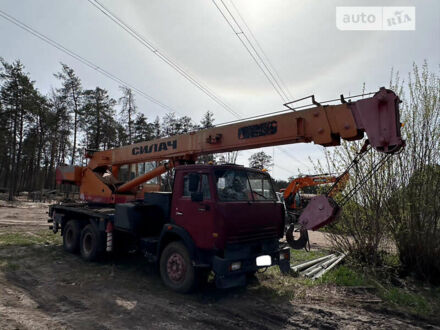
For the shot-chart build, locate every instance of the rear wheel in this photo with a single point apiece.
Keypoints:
(91, 243)
(71, 236)
(176, 269)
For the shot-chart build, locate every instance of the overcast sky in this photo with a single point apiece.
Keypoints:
(300, 39)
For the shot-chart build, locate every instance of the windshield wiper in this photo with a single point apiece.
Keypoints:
(259, 194)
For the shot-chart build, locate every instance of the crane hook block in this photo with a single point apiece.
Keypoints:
(320, 211)
(378, 116)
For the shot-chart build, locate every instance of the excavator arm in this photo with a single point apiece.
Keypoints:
(377, 116)
(310, 181)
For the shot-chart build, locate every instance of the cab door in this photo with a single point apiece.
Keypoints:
(196, 217)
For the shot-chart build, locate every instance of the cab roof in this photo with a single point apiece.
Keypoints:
(200, 167)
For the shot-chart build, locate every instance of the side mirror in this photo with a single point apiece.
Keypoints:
(197, 196)
(193, 184)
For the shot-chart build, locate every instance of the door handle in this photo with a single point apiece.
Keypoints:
(179, 213)
(203, 208)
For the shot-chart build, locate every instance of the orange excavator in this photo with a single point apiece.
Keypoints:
(224, 218)
(295, 202)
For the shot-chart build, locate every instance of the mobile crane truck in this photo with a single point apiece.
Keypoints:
(220, 218)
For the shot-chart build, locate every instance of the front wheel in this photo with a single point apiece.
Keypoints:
(176, 269)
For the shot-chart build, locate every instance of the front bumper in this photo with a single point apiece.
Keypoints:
(226, 277)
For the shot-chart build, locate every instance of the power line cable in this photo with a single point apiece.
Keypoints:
(83, 60)
(248, 153)
(294, 158)
(162, 56)
(283, 168)
(263, 52)
(269, 67)
(255, 54)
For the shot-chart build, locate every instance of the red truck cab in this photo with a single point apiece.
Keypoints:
(232, 216)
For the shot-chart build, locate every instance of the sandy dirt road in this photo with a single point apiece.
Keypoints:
(42, 287)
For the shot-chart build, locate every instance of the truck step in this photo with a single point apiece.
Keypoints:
(149, 248)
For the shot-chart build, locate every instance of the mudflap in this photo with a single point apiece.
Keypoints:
(225, 282)
(284, 263)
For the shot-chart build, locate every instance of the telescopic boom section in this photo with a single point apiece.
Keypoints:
(377, 116)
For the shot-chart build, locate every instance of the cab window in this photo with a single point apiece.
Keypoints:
(203, 186)
(233, 185)
(261, 187)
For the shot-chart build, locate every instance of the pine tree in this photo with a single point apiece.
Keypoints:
(98, 120)
(59, 133)
(143, 130)
(207, 120)
(72, 92)
(128, 111)
(157, 128)
(18, 97)
(173, 125)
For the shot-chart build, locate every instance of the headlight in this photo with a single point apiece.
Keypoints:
(264, 260)
(284, 256)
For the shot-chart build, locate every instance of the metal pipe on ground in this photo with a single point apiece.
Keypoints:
(307, 264)
(312, 269)
(325, 270)
(319, 267)
(310, 272)
(330, 261)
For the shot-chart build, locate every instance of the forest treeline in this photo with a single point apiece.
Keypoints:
(40, 132)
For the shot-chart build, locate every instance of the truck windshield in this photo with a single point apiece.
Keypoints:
(239, 185)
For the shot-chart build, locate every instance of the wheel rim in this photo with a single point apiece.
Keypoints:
(88, 243)
(176, 267)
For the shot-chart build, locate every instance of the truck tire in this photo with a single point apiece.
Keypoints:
(71, 236)
(176, 269)
(91, 243)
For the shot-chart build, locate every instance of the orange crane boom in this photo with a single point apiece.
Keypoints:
(377, 116)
